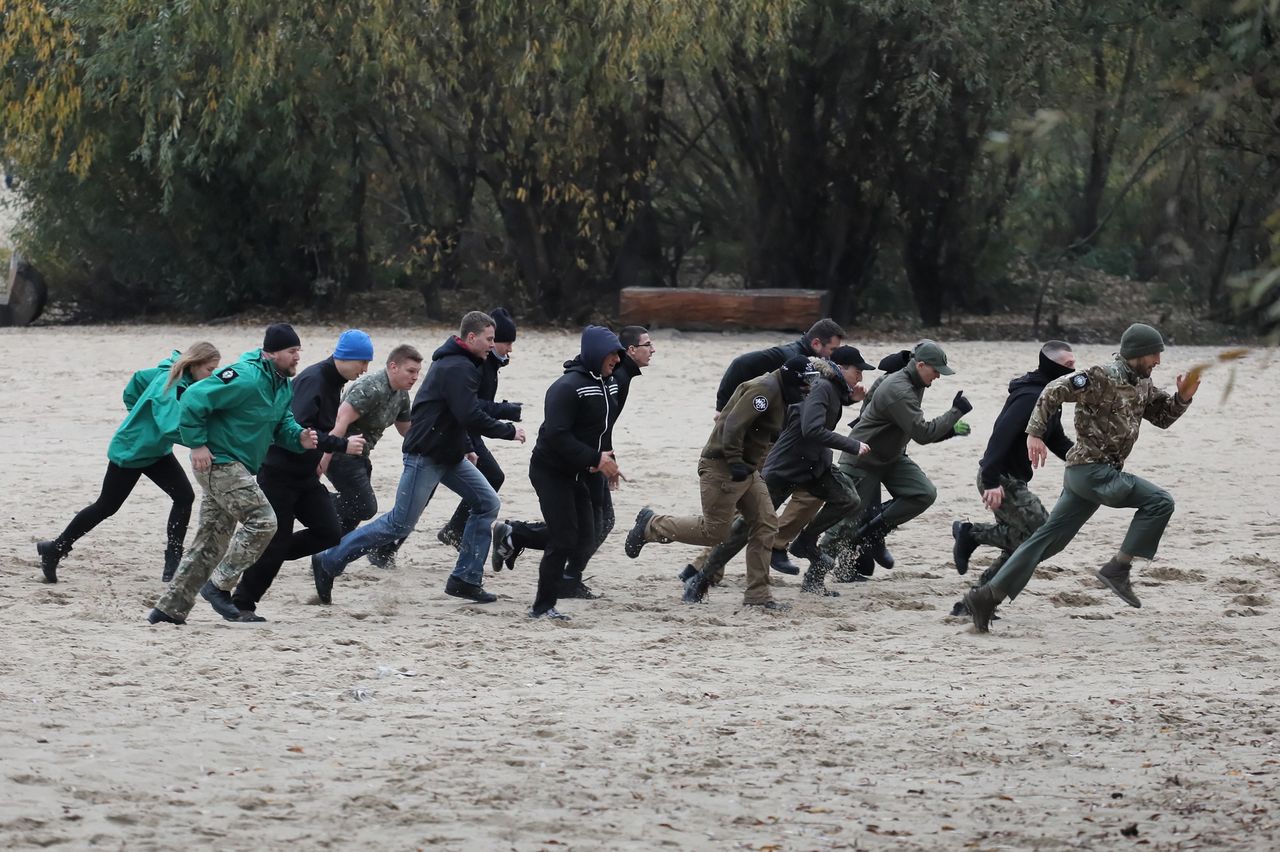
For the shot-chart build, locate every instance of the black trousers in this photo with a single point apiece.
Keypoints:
(532, 535)
(570, 533)
(307, 501)
(117, 485)
(491, 471)
(355, 501)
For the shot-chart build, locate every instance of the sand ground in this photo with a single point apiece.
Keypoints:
(399, 718)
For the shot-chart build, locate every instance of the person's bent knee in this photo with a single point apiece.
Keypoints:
(185, 497)
(927, 496)
(262, 523)
(485, 505)
(1161, 504)
(764, 529)
(718, 531)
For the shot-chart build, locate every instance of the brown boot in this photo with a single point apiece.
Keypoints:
(982, 603)
(1115, 576)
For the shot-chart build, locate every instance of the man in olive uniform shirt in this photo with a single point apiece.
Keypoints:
(730, 480)
(890, 419)
(1111, 403)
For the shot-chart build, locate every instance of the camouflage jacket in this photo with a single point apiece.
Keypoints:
(1111, 403)
(379, 405)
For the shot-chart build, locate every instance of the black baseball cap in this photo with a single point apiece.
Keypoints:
(849, 356)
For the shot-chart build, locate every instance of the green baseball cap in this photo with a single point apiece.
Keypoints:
(931, 353)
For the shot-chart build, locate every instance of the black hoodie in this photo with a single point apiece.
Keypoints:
(447, 406)
(580, 408)
(1007, 450)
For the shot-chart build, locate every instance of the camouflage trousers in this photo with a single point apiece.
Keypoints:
(1020, 514)
(231, 497)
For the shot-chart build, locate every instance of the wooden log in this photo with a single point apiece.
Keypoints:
(707, 309)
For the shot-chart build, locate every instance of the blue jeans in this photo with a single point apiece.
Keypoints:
(417, 484)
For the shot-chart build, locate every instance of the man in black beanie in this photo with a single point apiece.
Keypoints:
(1111, 403)
(229, 421)
(504, 338)
(1005, 470)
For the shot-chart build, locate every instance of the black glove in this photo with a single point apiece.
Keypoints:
(964, 405)
(740, 471)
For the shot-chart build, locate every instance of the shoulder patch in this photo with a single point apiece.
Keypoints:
(760, 403)
(1080, 381)
(228, 374)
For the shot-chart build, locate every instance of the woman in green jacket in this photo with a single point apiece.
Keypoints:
(143, 446)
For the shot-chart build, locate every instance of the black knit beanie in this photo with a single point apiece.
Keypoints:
(279, 336)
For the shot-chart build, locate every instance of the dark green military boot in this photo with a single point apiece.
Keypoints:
(1115, 576)
(981, 603)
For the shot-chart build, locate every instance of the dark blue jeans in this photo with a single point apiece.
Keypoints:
(417, 484)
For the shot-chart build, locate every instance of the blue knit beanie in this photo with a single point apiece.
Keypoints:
(354, 345)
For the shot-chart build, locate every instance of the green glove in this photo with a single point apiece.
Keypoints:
(961, 428)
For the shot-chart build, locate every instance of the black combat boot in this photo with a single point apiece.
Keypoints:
(695, 588)
(450, 536)
(159, 616)
(50, 553)
(779, 561)
(635, 540)
(220, 601)
(172, 558)
(870, 539)
(965, 545)
(806, 547)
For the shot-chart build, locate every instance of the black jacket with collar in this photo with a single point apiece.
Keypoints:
(317, 393)
(447, 407)
(752, 365)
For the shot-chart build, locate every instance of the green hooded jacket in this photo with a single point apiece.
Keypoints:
(240, 411)
(150, 430)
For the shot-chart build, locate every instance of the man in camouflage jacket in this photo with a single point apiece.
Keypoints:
(1111, 403)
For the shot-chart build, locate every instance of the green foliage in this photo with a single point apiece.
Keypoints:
(210, 154)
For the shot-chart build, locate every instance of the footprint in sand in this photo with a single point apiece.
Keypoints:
(1175, 575)
(1073, 599)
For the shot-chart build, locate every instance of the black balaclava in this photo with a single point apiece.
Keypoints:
(1051, 369)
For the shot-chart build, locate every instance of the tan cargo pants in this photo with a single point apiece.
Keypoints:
(722, 498)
